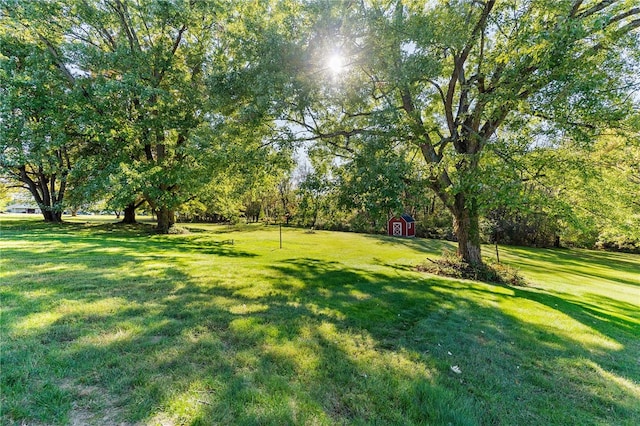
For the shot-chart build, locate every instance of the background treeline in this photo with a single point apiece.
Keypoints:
(584, 200)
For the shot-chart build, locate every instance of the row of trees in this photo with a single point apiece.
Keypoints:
(126, 100)
(580, 198)
(498, 109)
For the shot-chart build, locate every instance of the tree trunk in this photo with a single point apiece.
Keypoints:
(40, 192)
(166, 218)
(52, 217)
(130, 214)
(466, 225)
(315, 216)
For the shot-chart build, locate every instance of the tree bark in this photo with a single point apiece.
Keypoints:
(166, 218)
(52, 217)
(130, 214)
(466, 225)
(40, 194)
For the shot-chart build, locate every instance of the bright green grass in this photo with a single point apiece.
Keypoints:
(109, 325)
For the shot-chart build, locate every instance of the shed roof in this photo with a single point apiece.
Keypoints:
(407, 217)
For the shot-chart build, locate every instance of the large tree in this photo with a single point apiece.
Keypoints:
(147, 62)
(451, 77)
(38, 123)
(166, 84)
(141, 68)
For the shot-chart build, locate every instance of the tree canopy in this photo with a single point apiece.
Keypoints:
(484, 104)
(457, 79)
(151, 79)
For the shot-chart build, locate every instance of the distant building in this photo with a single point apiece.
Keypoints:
(22, 208)
(402, 226)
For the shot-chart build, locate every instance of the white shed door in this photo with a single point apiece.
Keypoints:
(397, 229)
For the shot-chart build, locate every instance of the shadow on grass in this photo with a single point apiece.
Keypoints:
(425, 245)
(142, 243)
(324, 344)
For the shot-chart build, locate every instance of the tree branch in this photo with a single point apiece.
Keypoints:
(439, 89)
(174, 48)
(58, 59)
(575, 8)
(595, 8)
(630, 12)
(120, 9)
(458, 69)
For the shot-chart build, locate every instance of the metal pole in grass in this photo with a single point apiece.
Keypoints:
(280, 234)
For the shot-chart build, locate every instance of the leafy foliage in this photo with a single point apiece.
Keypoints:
(39, 133)
(499, 110)
(451, 79)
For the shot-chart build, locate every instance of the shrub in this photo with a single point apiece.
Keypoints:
(452, 265)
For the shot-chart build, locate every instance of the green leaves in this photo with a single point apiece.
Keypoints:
(164, 95)
(454, 78)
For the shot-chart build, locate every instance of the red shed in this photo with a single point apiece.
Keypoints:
(402, 226)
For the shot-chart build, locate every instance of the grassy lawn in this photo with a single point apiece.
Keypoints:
(103, 324)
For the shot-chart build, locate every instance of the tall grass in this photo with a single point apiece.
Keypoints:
(105, 324)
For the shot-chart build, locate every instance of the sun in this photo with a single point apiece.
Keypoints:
(336, 63)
